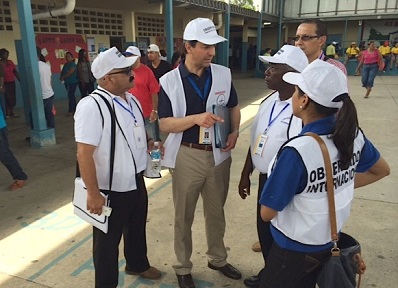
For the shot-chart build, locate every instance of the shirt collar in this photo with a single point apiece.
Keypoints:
(185, 73)
(323, 126)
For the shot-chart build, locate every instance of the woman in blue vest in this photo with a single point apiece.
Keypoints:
(298, 208)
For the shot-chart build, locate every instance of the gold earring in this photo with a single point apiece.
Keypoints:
(301, 107)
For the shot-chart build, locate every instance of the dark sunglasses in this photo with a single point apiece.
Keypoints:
(305, 37)
(126, 71)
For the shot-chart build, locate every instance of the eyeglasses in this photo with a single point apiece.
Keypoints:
(126, 71)
(306, 37)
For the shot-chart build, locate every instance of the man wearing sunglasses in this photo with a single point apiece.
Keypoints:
(127, 194)
(311, 36)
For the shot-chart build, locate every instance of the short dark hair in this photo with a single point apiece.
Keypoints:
(320, 29)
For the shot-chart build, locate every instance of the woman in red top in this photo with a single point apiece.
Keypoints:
(370, 61)
(10, 73)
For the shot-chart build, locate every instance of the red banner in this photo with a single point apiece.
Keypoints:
(55, 46)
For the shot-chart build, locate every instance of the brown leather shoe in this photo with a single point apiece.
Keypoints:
(228, 270)
(17, 184)
(185, 281)
(152, 273)
(256, 247)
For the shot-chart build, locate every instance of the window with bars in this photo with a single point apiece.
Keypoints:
(5, 16)
(96, 22)
(150, 26)
(53, 25)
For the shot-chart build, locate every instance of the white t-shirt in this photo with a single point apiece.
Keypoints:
(45, 80)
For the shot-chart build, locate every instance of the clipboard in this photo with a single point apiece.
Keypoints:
(80, 207)
(221, 129)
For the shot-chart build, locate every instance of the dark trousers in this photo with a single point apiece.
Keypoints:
(48, 111)
(86, 89)
(8, 159)
(10, 97)
(128, 218)
(291, 269)
(71, 88)
(263, 228)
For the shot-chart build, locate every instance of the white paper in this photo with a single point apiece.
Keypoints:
(80, 207)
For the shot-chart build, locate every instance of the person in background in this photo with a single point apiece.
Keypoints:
(10, 73)
(298, 208)
(7, 158)
(163, 55)
(158, 66)
(385, 51)
(352, 52)
(186, 101)
(267, 52)
(394, 56)
(128, 196)
(69, 78)
(311, 36)
(370, 65)
(146, 90)
(331, 50)
(274, 122)
(46, 89)
(86, 78)
(175, 59)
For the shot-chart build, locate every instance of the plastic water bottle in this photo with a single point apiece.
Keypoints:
(156, 156)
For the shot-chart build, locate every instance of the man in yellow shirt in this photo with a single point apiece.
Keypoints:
(352, 52)
(394, 55)
(385, 51)
(331, 50)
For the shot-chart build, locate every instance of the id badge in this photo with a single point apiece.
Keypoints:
(260, 144)
(139, 137)
(204, 135)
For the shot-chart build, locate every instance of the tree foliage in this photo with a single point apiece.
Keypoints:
(248, 4)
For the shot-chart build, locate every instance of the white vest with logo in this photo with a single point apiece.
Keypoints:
(306, 218)
(219, 94)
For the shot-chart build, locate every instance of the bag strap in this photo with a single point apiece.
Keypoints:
(330, 189)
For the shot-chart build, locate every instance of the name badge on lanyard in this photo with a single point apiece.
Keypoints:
(263, 137)
(204, 135)
(139, 137)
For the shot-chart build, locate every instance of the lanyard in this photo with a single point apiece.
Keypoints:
(271, 121)
(195, 86)
(131, 112)
(322, 56)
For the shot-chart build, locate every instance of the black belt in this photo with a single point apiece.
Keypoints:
(198, 146)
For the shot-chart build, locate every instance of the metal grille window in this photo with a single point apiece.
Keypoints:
(5, 16)
(150, 26)
(97, 22)
(53, 25)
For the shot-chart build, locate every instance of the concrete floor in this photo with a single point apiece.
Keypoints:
(42, 244)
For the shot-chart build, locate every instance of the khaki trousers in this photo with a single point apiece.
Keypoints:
(195, 174)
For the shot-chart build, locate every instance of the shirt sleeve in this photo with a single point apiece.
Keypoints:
(153, 84)
(369, 156)
(278, 192)
(233, 97)
(164, 105)
(88, 122)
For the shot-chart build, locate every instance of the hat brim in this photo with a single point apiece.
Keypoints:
(295, 79)
(271, 59)
(210, 40)
(127, 62)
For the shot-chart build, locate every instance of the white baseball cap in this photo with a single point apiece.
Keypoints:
(108, 60)
(334, 42)
(153, 48)
(289, 55)
(322, 82)
(202, 30)
(132, 51)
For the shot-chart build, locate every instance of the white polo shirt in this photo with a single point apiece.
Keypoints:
(45, 80)
(129, 159)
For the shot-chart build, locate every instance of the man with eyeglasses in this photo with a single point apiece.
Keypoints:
(311, 36)
(127, 194)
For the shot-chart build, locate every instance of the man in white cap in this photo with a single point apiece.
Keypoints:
(146, 89)
(273, 125)
(158, 66)
(331, 50)
(126, 189)
(186, 101)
